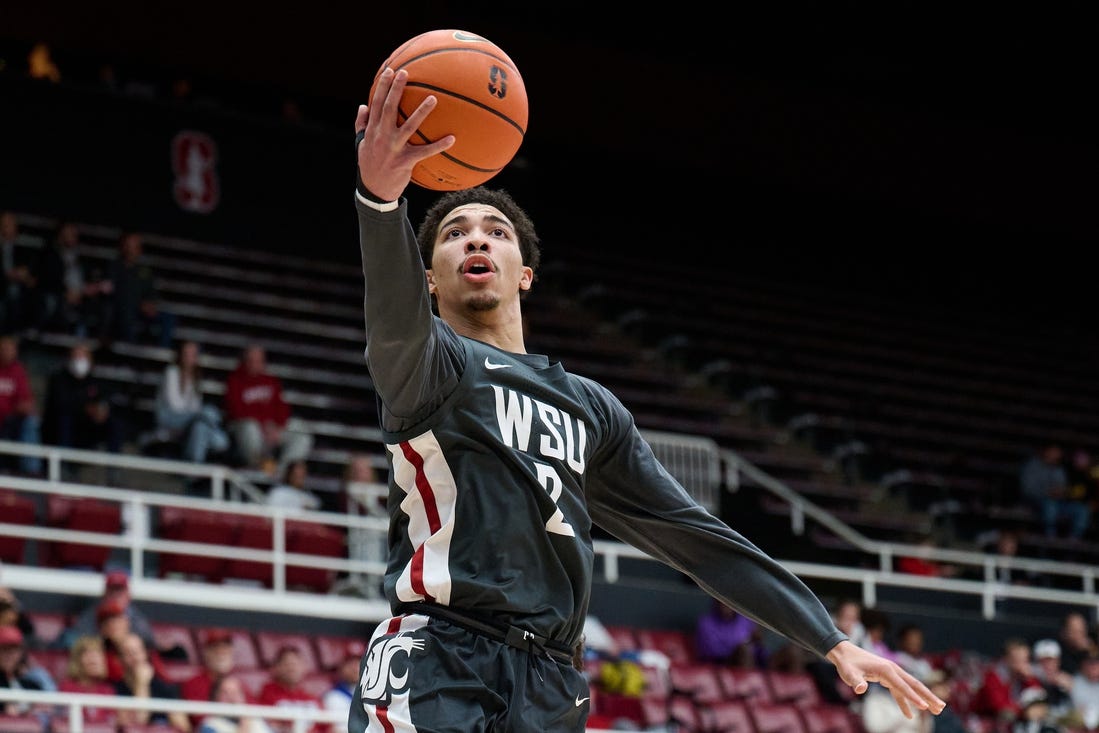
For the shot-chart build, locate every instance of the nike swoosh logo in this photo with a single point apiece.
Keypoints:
(581, 700)
(490, 365)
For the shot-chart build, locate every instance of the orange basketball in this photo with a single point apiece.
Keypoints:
(481, 101)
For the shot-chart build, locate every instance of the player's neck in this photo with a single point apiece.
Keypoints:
(503, 332)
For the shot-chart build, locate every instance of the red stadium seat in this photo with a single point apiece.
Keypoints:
(686, 714)
(317, 683)
(15, 509)
(20, 724)
(168, 636)
(309, 538)
(624, 638)
(657, 681)
(750, 685)
(253, 680)
(677, 645)
(330, 649)
(827, 718)
(199, 526)
(253, 533)
(54, 661)
(270, 642)
(728, 716)
(776, 718)
(60, 724)
(798, 688)
(85, 515)
(697, 681)
(179, 672)
(48, 626)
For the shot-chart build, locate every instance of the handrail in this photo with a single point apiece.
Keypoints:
(886, 552)
(73, 704)
(55, 456)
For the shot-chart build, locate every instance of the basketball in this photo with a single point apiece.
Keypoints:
(481, 101)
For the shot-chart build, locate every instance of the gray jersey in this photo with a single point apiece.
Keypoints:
(501, 463)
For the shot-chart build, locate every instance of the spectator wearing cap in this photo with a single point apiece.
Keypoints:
(284, 688)
(1085, 691)
(17, 672)
(338, 697)
(1004, 681)
(1056, 682)
(217, 663)
(114, 627)
(12, 613)
(116, 586)
(1034, 715)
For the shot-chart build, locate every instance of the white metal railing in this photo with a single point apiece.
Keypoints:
(989, 589)
(137, 541)
(70, 706)
(222, 479)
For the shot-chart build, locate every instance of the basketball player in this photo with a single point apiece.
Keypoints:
(500, 463)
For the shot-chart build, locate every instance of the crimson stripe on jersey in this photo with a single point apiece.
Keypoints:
(423, 486)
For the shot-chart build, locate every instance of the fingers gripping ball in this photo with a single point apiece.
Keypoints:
(481, 101)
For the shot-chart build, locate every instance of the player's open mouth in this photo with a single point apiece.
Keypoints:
(477, 266)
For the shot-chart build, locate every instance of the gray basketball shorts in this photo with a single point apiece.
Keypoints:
(425, 675)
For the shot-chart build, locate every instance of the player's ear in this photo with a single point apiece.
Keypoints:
(430, 281)
(526, 279)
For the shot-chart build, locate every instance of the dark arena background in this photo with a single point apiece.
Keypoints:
(837, 258)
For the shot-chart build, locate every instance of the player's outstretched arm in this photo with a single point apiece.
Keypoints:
(858, 667)
(386, 157)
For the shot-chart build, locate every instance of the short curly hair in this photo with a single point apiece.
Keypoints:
(497, 198)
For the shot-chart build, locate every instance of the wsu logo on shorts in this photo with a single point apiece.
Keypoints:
(379, 679)
(194, 163)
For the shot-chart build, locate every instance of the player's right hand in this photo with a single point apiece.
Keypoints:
(386, 155)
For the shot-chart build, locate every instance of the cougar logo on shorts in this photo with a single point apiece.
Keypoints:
(194, 163)
(379, 681)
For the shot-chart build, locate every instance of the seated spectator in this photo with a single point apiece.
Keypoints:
(910, 654)
(256, 414)
(131, 311)
(948, 721)
(217, 664)
(724, 636)
(230, 690)
(284, 689)
(1033, 714)
(1085, 691)
(919, 565)
(16, 279)
(12, 613)
(1056, 682)
(877, 626)
(79, 412)
(182, 415)
(362, 489)
(116, 587)
(846, 614)
(87, 675)
(1077, 641)
(139, 679)
(114, 628)
(19, 419)
(62, 289)
(1044, 485)
(338, 698)
(17, 672)
(999, 695)
(880, 713)
(291, 493)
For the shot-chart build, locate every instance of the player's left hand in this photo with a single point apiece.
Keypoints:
(858, 667)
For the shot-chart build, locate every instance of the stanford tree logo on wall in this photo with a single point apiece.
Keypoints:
(194, 163)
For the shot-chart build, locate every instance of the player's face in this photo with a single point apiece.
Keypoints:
(477, 264)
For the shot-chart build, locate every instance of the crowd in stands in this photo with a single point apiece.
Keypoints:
(1047, 684)
(52, 290)
(118, 655)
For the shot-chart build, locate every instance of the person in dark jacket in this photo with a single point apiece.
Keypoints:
(78, 412)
